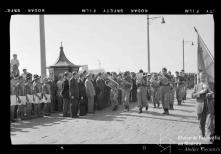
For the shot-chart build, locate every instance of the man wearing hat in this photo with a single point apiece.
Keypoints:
(126, 88)
(164, 90)
(65, 94)
(74, 95)
(141, 91)
(28, 89)
(181, 88)
(37, 89)
(155, 90)
(100, 91)
(24, 74)
(90, 91)
(82, 95)
(53, 89)
(171, 98)
(46, 97)
(21, 99)
(204, 106)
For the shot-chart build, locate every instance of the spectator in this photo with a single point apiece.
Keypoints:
(58, 96)
(90, 91)
(82, 96)
(74, 95)
(65, 94)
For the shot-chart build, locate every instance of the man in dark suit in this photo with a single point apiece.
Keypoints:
(74, 95)
(65, 94)
(100, 93)
(82, 96)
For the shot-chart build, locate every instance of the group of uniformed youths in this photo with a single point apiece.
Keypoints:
(29, 98)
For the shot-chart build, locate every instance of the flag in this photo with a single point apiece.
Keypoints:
(205, 60)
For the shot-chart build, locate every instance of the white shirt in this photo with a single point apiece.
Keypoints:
(14, 62)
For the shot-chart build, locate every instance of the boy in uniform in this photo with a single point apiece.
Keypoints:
(21, 99)
(29, 95)
(164, 90)
(13, 99)
(46, 97)
(37, 96)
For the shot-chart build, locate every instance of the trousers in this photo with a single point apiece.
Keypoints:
(65, 106)
(206, 121)
(164, 96)
(125, 97)
(90, 104)
(73, 107)
(142, 96)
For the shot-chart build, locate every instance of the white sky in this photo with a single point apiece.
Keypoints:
(118, 41)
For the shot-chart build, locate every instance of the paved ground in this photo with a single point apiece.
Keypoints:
(118, 127)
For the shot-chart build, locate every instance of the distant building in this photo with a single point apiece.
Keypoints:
(96, 71)
(83, 68)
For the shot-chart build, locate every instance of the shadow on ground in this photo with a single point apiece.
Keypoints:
(107, 115)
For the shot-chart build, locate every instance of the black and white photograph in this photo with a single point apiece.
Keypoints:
(112, 79)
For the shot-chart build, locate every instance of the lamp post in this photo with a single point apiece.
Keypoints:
(183, 51)
(148, 39)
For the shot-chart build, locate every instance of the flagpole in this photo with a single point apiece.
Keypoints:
(197, 55)
(199, 36)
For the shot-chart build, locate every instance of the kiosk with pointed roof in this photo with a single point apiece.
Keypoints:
(62, 65)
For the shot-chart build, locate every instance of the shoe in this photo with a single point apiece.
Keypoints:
(167, 113)
(140, 110)
(146, 108)
(128, 108)
(114, 108)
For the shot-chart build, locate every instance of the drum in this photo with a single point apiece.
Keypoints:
(23, 100)
(48, 98)
(13, 100)
(30, 98)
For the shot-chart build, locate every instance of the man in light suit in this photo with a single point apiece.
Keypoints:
(90, 91)
(74, 95)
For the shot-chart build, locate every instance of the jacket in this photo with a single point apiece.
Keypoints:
(90, 91)
(65, 89)
(73, 88)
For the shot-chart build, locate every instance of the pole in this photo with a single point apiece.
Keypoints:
(183, 55)
(148, 47)
(42, 46)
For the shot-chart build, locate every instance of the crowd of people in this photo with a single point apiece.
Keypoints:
(81, 93)
(77, 94)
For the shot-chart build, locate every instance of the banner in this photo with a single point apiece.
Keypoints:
(205, 60)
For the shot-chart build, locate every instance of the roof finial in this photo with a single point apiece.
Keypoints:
(61, 44)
